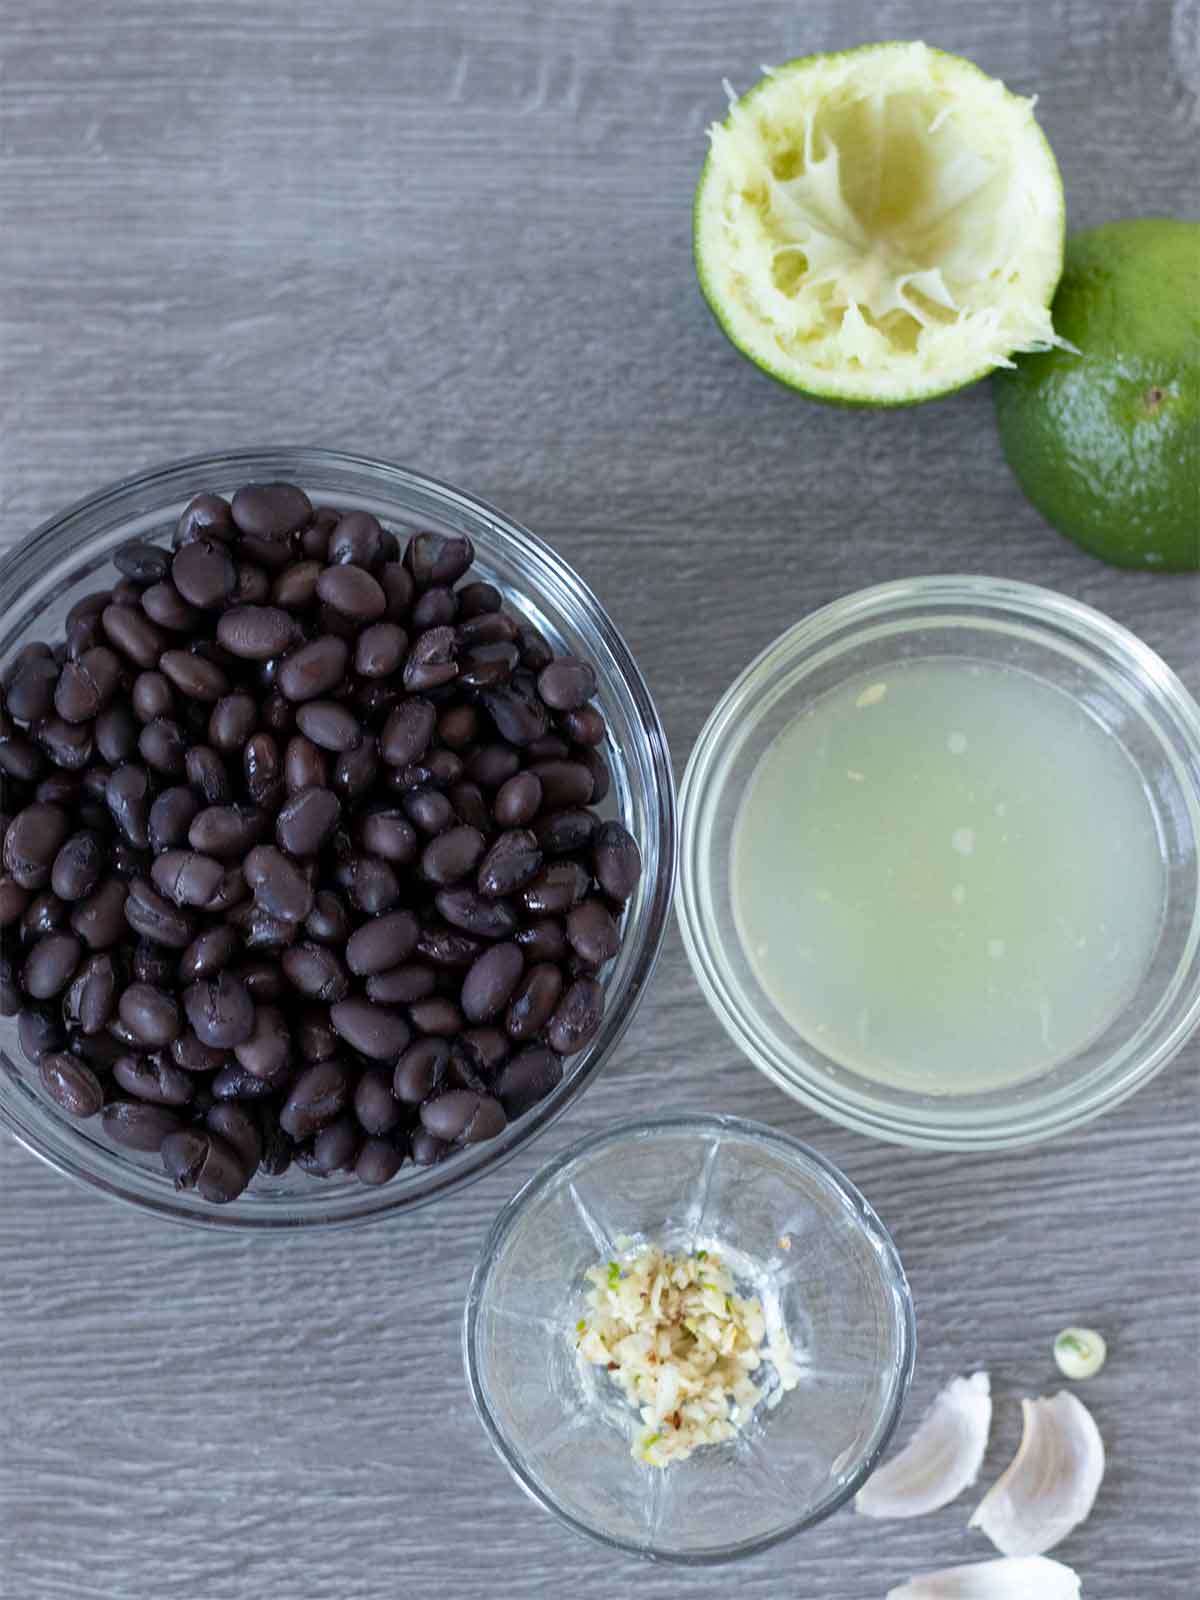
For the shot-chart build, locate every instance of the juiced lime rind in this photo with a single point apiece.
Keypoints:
(810, 341)
(1106, 443)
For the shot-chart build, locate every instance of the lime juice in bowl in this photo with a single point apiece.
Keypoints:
(940, 874)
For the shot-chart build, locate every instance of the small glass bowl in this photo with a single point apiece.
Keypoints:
(1116, 678)
(792, 1230)
(72, 554)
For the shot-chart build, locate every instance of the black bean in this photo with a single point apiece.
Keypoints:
(371, 884)
(32, 841)
(567, 683)
(187, 877)
(518, 800)
(470, 807)
(491, 765)
(390, 835)
(407, 732)
(567, 831)
(86, 685)
(100, 919)
(429, 809)
(356, 538)
(307, 820)
(239, 1127)
(376, 1107)
(584, 726)
(138, 1125)
(235, 1083)
(445, 947)
(329, 725)
(379, 1160)
(150, 1014)
(329, 921)
(277, 1145)
(319, 1094)
(314, 669)
(220, 1010)
(163, 604)
(269, 1048)
(270, 510)
(355, 770)
(115, 733)
(206, 516)
(488, 919)
(264, 979)
(478, 599)
(151, 696)
(601, 777)
(204, 573)
(427, 1150)
(490, 982)
(437, 1016)
(514, 860)
(353, 592)
(519, 718)
(558, 887)
(194, 675)
(373, 1030)
(262, 931)
(577, 1017)
(14, 898)
(256, 633)
(252, 587)
(71, 1084)
(30, 695)
(315, 971)
(162, 747)
(383, 943)
(39, 1028)
(526, 1078)
(459, 727)
(436, 608)
(431, 660)
(616, 860)
(592, 932)
(154, 963)
(420, 1071)
(335, 1148)
(452, 855)
(295, 588)
(550, 747)
(413, 981)
(133, 635)
(227, 830)
(304, 766)
(51, 965)
(534, 1000)
(46, 914)
(205, 771)
(191, 1053)
(208, 953)
(379, 650)
(564, 783)
(78, 866)
(154, 1079)
(278, 885)
(462, 1117)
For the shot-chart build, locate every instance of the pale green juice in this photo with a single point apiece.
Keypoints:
(947, 878)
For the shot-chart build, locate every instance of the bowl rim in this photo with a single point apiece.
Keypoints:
(824, 633)
(716, 1124)
(367, 1204)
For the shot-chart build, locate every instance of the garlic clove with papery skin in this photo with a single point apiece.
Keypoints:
(1010, 1578)
(1052, 1482)
(942, 1458)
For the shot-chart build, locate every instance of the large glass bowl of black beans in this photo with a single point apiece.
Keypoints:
(338, 839)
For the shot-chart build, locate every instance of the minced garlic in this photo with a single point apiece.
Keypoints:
(681, 1344)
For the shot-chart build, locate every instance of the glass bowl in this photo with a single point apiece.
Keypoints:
(71, 555)
(792, 1230)
(1116, 680)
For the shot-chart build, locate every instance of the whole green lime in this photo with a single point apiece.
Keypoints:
(1106, 443)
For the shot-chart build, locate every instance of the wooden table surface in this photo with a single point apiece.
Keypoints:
(455, 234)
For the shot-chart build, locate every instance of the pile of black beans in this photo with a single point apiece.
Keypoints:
(300, 861)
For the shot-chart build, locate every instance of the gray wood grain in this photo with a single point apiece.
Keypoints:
(456, 235)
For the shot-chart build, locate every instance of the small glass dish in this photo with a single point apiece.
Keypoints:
(822, 1259)
(1111, 675)
(71, 555)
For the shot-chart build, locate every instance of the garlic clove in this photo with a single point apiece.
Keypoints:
(1011, 1578)
(942, 1458)
(1052, 1482)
